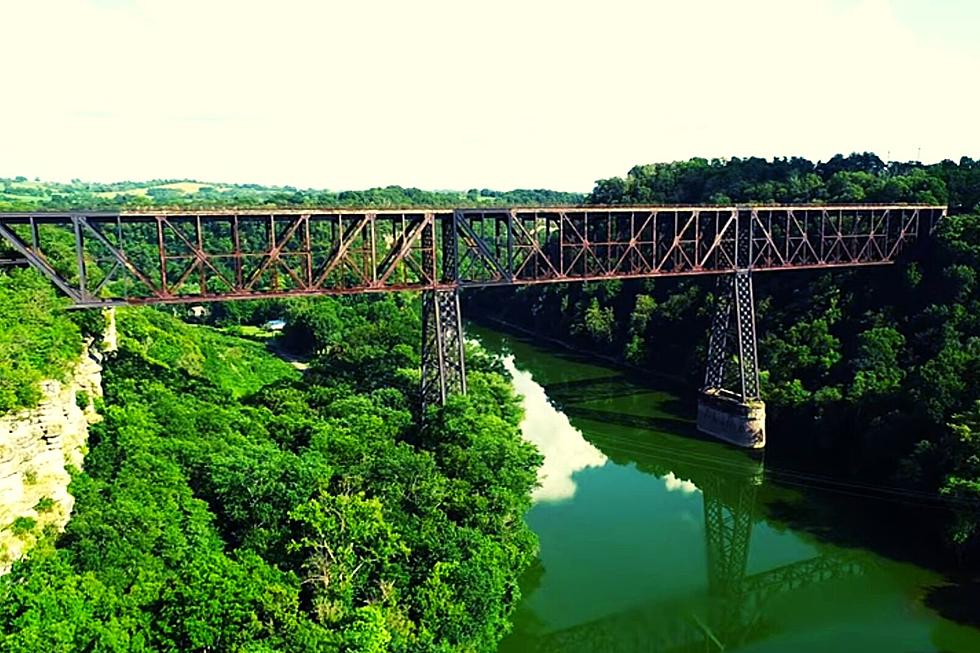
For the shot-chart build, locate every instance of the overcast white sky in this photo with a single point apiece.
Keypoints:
(457, 94)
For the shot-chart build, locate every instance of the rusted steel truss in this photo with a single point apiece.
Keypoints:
(443, 359)
(733, 363)
(101, 259)
(582, 244)
(443, 342)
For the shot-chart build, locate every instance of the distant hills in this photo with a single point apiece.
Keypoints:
(22, 194)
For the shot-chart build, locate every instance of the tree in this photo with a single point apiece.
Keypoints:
(963, 481)
(877, 369)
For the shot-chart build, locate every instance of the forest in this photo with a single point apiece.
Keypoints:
(231, 503)
(227, 504)
(21, 194)
(871, 374)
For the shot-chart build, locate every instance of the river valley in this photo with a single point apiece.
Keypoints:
(653, 538)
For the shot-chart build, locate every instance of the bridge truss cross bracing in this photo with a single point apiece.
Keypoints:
(105, 259)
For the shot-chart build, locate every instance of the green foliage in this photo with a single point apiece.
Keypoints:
(45, 504)
(807, 347)
(855, 178)
(599, 322)
(369, 343)
(636, 350)
(237, 366)
(227, 505)
(878, 371)
(23, 525)
(349, 551)
(37, 339)
(18, 194)
(960, 451)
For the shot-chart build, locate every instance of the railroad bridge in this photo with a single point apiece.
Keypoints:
(103, 259)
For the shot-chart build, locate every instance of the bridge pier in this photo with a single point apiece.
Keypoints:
(443, 343)
(730, 407)
(443, 359)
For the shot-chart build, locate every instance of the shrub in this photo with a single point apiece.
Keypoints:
(45, 504)
(23, 525)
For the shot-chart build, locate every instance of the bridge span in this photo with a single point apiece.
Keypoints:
(101, 259)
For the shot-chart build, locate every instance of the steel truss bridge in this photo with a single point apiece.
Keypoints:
(108, 259)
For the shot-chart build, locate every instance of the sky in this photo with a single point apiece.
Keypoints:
(458, 94)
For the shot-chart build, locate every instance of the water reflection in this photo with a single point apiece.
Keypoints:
(655, 540)
(674, 484)
(564, 448)
(731, 610)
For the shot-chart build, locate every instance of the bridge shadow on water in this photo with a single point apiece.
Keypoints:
(578, 399)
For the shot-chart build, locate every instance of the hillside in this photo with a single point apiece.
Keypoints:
(22, 194)
(227, 505)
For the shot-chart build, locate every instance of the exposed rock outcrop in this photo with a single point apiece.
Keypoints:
(37, 448)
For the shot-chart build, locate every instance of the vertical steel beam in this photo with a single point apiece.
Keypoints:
(510, 245)
(733, 340)
(35, 235)
(76, 222)
(450, 245)
(748, 357)
(443, 360)
(443, 354)
(719, 351)
(162, 253)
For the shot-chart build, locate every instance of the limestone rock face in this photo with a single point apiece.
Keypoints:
(36, 448)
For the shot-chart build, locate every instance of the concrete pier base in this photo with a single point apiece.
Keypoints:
(728, 419)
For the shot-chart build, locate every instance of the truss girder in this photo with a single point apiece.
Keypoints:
(198, 256)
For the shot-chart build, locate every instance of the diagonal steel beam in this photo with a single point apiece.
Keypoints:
(120, 257)
(37, 261)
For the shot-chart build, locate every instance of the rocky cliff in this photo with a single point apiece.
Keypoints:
(37, 448)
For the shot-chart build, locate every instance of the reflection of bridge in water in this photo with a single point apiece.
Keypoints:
(732, 610)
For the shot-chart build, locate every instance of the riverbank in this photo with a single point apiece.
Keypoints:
(788, 461)
(628, 524)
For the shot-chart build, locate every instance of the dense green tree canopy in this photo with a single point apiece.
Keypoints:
(228, 505)
(865, 369)
(19, 194)
(855, 178)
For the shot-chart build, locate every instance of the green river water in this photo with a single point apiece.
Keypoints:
(654, 539)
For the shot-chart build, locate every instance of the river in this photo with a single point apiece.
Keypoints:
(655, 539)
